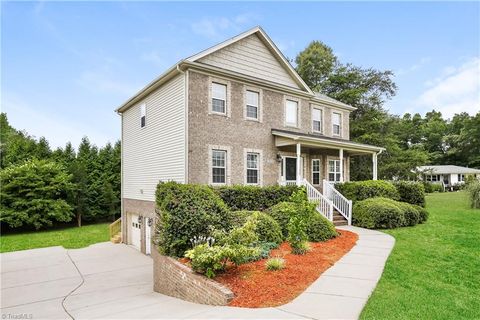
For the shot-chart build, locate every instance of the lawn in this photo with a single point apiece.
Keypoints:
(434, 269)
(69, 238)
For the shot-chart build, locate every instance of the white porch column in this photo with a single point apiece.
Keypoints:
(299, 162)
(341, 165)
(374, 159)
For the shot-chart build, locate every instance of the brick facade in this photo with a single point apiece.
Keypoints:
(206, 130)
(175, 279)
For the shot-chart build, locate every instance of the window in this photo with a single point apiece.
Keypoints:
(316, 171)
(317, 120)
(219, 97)
(433, 177)
(291, 112)
(334, 170)
(336, 123)
(252, 98)
(461, 177)
(143, 115)
(252, 168)
(219, 166)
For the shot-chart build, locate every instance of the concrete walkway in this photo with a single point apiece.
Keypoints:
(115, 281)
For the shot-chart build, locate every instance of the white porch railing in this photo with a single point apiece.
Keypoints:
(342, 204)
(324, 206)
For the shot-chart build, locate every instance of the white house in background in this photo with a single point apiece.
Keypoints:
(449, 175)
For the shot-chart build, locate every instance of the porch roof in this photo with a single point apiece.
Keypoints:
(286, 138)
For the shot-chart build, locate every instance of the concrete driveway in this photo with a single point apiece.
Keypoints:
(115, 281)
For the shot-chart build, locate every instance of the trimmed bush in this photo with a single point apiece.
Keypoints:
(282, 212)
(253, 197)
(319, 228)
(411, 192)
(240, 217)
(376, 213)
(432, 187)
(384, 213)
(266, 228)
(186, 211)
(361, 190)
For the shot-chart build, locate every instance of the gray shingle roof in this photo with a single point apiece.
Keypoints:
(446, 169)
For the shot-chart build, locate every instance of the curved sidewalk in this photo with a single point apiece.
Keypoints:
(118, 285)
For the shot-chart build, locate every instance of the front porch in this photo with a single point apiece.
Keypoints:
(318, 162)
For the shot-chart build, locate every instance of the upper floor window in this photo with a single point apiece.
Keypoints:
(336, 123)
(291, 113)
(252, 98)
(253, 168)
(143, 115)
(219, 97)
(219, 166)
(317, 120)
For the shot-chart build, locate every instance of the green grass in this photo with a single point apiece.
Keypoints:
(434, 269)
(69, 238)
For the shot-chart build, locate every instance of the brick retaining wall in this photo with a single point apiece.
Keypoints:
(175, 279)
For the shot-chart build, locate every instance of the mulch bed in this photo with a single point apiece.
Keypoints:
(255, 287)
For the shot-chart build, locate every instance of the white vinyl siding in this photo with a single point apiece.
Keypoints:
(251, 57)
(291, 113)
(157, 151)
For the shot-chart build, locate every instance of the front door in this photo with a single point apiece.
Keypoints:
(290, 169)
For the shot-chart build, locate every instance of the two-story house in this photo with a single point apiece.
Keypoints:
(236, 113)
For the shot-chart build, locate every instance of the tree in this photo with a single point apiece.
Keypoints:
(78, 195)
(34, 194)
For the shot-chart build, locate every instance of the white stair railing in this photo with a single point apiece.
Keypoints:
(342, 204)
(324, 206)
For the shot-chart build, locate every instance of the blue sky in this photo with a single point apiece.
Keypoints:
(66, 66)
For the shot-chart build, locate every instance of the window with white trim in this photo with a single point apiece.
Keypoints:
(315, 171)
(291, 113)
(252, 103)
(334, 170)
(219, 166)
(143, 115)
(317, 120)
(219, 97)
(253, 168)
(433, 177)
(336, 123)
(461, 177)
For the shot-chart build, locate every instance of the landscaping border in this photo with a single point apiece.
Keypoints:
(175, 279)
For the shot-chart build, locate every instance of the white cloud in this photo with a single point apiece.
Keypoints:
(414, 67)
(214, 27)
(456, 90)
(55, 127)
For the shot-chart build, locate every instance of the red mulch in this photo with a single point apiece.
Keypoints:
(256, 287)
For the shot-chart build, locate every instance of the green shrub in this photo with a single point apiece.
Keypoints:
(301, 247)
(265, 248)
(432, 187)
(253, 197)
(282, 212)
(274, 264)
(361, 190)
(474, 192)
(186, 211)
(239, 217)
(422, 214)
(34, 194)
(410, 212)
(319, 228)
(411, 192)
(211, 259)
(244, 235)
(266, 228)
(380, 213)
(297, 225)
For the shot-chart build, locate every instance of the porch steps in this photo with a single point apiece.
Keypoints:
(338, 219)
(116, 238)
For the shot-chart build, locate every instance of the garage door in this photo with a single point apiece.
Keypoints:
(135, 228)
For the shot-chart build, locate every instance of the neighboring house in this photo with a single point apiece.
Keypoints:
(236, 113)
(448, 175)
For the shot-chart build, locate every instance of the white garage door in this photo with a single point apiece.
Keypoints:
(135, 231)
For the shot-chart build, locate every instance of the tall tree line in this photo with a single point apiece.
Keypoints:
(90, 176)
(410, 140)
